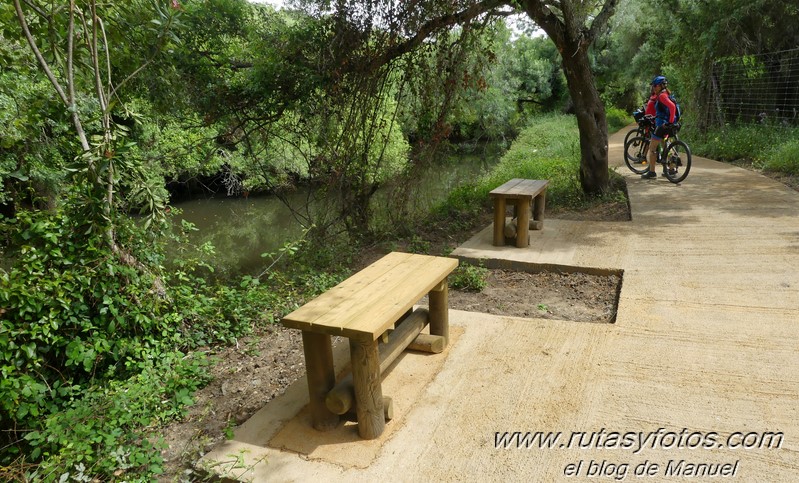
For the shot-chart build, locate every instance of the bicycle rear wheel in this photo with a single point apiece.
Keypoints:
(677, 161)
(635, 154)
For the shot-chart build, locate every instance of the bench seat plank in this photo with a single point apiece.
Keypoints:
(401, 298)
(341, 293)
(365, 316)
(519, 188)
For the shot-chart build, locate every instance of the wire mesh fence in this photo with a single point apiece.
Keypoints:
(756, 89)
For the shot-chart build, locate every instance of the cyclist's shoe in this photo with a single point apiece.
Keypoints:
(663, 174)
(649, 175)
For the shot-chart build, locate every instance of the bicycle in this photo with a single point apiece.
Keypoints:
(673, 154)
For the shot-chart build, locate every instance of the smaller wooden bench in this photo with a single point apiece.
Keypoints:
(374, 310)
(528, 197)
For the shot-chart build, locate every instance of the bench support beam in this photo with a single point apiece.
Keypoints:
(368, 391)
(523, 220)
(499, 221)
(321, 378)
(439, 311)
(341, 398)
(433, 344)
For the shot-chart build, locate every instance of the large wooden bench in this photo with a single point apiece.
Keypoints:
(374, 310)
(528, 197)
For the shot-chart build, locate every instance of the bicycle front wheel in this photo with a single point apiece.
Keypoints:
(676, 161)
(635, 154)
(632, 133)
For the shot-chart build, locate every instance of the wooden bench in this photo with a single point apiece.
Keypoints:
(365, 308)
(528, 197)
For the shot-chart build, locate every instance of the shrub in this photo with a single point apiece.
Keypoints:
(72, 312)
(783, 158)
(469, 278)
(87, 344)
(768, 147)
(745, 142)
(103, 432)
(617, 119)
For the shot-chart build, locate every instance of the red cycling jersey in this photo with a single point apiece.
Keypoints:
(650, 105)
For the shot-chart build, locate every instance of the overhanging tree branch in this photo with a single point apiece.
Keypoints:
(601, 20)
(541, 12)
(434, 25)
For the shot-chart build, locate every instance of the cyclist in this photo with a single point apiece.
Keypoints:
(650, 103)
(665, 113)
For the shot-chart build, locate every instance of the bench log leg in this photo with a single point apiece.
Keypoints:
(368, 391)
(321, 378)
(439, 306)
(538, 210)
(499, 221)
(523, 222)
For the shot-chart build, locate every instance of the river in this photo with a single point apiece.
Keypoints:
(242, 229)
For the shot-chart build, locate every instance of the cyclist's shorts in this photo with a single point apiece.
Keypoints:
(661, 132)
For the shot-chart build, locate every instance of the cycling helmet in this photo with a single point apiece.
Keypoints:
(659, 80)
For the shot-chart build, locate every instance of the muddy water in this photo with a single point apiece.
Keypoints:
(242, 229)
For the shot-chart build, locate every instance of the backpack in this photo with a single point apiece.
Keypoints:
(678, 114)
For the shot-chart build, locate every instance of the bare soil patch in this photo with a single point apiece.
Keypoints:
(579, 297)
(259, 368)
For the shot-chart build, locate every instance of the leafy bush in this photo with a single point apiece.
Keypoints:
(105, 429)
(72, 312)
(730, 143)
(617, 119)
(88, 344)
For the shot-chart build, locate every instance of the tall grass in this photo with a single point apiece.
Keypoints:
(548, 149)
(783, 157)
(766, 147)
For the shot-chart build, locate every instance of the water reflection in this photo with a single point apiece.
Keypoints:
(242, 229)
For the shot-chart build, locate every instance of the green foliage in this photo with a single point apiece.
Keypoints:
(617, 118)
(547, 149)
(72, 311)
(767, 147)
(104, 431)
(33, 148)
(784, 157)
(736, 142)
(87, 342)
(684, 39)
(418, 245)
(469, 278)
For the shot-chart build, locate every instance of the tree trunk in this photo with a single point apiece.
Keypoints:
(591, 119)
